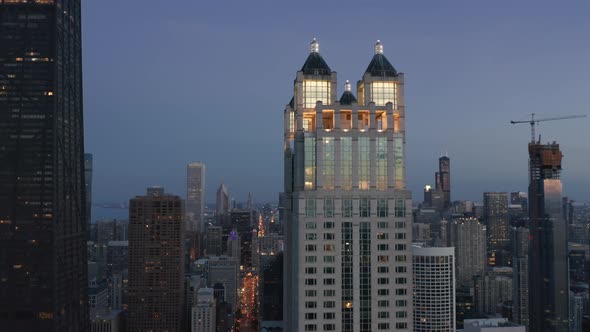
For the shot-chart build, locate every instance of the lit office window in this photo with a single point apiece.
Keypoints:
(314, 91)
(383, 93)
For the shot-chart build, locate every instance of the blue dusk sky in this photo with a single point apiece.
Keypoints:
(169, 82)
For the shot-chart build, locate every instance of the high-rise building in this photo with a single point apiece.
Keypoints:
(203, 312)
(468, 236)
(434, 310)
(348, 262)
(223, 202)
(88, 187)
(213, 241)
(492, 289)
(224, 270)
(156, 262)
(43, 214)
(195, 196)
(520, 275)
(497, 220)
(548, 265)
(443, 179)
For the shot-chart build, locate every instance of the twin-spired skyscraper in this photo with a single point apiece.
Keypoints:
(348, 263)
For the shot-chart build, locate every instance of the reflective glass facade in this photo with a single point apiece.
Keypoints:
(364, 163)
(548, 269)
(381, 161)
(328, 163)
(346, 163)
(43, 271)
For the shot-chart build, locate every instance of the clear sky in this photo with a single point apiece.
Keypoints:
(168, 82)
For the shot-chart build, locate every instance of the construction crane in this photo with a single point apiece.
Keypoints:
(534, 121)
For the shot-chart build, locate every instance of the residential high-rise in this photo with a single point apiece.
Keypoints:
(434, 306)
(492, 289)
(468, 236)
(348, 262)
(548, 265)
(88, 188)
(43, 215)
(520, 275)
(195, 196)
(495, 214)
(156, 262)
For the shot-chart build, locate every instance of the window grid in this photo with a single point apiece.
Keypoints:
(314, 91)
(383, 93)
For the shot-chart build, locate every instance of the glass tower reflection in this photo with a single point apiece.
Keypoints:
(548, 272)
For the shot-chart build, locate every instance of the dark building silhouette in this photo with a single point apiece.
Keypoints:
(88, 189)
(548, 266)
(156, 262)
(43, 272)
(443, 179)
(271, 291)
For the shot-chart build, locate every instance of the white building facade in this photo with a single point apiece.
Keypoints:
(434, 289)
(203, 313)
(348, 261)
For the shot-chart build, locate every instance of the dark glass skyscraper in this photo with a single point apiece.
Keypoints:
(548, 269)
(443, 179)
(43, 272)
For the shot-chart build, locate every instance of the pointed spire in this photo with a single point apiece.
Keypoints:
(378, 47)
(314, 46)
(380, 66)
(347, 86)
(315, 64)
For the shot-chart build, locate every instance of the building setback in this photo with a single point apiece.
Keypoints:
(43, 271)
(156, 262)
(348, 262)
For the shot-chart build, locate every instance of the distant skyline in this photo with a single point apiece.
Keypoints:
(167, 85)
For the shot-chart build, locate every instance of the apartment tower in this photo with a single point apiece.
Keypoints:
(434, 288)
(156, 262)
(43, 271)
(348, 262)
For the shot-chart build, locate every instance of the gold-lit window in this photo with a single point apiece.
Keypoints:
(314, 91)
(383, 93)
